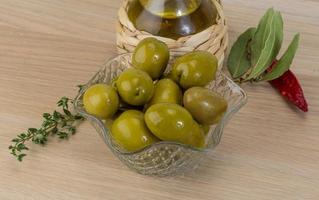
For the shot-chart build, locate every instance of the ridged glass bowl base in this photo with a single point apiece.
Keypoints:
(163, 158)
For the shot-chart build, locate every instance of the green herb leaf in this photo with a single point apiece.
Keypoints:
(238, 60)
(267, 54)
(279, 29)
(21, 156)
(72, 130)
(285, 61)
(64, 103)
(266, 43)
(15, 140)
(32, 130)
(260, 37)
(67, 112)
(56, 115)
(78, 117)
(46, 115)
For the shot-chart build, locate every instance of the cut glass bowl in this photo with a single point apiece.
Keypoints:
(163, 158)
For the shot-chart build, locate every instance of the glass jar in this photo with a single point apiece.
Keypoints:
(172, 18)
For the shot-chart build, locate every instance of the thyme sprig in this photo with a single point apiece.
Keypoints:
(62, 124)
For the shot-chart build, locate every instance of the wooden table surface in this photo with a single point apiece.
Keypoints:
(269, 150)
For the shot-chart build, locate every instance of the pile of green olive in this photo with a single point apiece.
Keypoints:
(143, 106)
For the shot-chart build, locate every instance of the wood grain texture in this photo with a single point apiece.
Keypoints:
(269, 150)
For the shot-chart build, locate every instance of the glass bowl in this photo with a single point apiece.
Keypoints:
(163, 158)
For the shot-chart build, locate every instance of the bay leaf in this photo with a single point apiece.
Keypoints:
(285, 61)
(279, 29)
(238, 60)
(259, 39)
(267, 54)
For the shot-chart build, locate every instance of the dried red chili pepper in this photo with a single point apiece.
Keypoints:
(289, 87)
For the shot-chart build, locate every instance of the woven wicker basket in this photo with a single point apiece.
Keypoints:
(214, 39)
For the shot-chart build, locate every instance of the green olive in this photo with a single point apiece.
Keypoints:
(151, 56)
(172, 122)
(135, 87)
(101, 101)
(206, 106)
(130, 132)
(197, 68)
(166, 91)
(205, 128)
